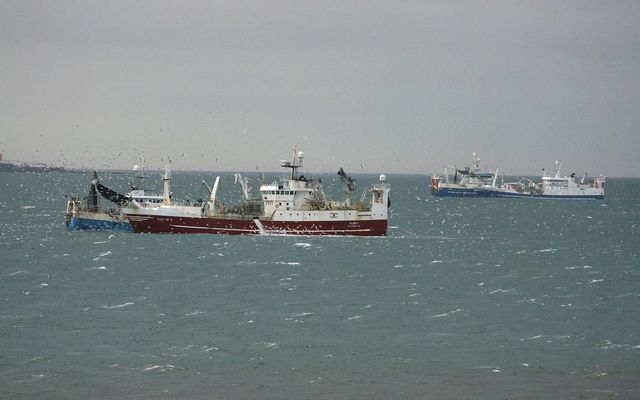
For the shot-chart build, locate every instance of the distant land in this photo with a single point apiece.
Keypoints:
(23, 166)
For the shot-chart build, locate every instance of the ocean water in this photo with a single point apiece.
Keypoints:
(465, 298)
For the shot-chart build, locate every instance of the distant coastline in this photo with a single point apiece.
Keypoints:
(23, 166)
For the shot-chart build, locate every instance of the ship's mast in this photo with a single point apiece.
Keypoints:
(476, 162)
(298, 156)
(558, 165)
(139, 173)
(166, 179)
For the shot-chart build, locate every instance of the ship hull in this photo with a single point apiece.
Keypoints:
(97, 222)
(495, 194)
(457, 191)
(501, 193)
(233, 226)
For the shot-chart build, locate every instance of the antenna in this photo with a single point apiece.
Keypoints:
(138, 170)
(476, 162)
(298, 156)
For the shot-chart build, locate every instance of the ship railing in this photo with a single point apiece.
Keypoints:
(234, 216)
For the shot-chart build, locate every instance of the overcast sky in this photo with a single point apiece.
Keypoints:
(372, 86)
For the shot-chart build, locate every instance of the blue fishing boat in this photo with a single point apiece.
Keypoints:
(89, 212)
(467, 182)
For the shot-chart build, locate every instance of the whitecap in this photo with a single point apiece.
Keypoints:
(448, 313)
(303, 244)
(546, 251)
(106, 253)
(43, 285)
(196, 312)
(502, 291)
(354, 318)
(27, 207)
(436, 262)
(159, 368)
(119, 305)
(100, 242)
(287, 263)
(18, 273)
(301, 315)
(576, 267)
(596, 281)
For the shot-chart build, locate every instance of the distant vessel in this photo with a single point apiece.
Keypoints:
(89, 213)
(293, 206)
(466, 182)
(479, 184)
(23, 166)
(550, 187)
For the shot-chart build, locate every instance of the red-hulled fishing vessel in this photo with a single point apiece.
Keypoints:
(292, 206)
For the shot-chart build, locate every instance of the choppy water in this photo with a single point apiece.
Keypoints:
(466, 298)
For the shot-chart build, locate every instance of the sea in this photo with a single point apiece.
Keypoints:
(463, 299)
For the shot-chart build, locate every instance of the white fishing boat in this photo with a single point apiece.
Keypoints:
(295, 205)
(476, 183)
(556, 186)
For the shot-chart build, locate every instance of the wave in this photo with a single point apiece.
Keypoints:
(502, 291)
(448, 313)
(159, 368)
(127, 304)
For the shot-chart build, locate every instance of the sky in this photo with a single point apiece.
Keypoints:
(372, 86)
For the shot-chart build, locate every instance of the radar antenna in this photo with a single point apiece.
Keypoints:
(298, 156)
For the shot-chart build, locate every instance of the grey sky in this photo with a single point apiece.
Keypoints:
(394, 86)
